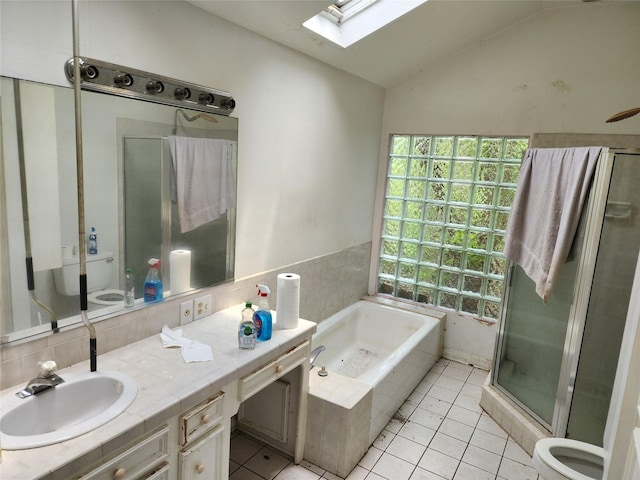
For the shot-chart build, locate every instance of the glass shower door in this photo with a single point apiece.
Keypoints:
(557, 361)
(532, 342)
(608, 303)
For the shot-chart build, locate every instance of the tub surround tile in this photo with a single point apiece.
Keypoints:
(339, 440)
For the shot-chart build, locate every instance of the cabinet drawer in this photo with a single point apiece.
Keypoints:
(200, 419)
(162, 473)
(203, 459)
(257, 380)
(136, 462)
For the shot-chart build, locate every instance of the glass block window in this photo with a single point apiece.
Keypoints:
(447, 203)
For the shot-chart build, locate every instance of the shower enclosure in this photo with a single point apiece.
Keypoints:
(557, 361)
(151, 222)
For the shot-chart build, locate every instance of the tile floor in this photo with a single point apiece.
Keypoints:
(439, 433)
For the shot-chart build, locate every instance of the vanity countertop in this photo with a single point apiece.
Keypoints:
(167, 386)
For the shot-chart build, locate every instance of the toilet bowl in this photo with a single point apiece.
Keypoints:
(566, 459)
(108, 296)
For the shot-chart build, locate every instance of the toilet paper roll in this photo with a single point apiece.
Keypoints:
(180, 271)
(288, 301)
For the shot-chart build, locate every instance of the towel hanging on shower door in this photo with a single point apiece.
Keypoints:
(205, 179)
(551, 192)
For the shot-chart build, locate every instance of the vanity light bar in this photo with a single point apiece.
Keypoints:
(128, 82)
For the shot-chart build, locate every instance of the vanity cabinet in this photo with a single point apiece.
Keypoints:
(204, 437)
(147, 459)
(192, 439)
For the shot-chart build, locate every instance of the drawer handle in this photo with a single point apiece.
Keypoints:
(119, 473)
(206, 418)
(200, 468)
(279, 368)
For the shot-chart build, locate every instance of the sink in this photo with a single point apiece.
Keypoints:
(84, 402)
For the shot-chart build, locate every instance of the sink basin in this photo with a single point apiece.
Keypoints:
(84, 402)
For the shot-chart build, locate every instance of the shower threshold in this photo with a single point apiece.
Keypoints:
(521, 427)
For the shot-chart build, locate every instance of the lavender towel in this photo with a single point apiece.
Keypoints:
(552, 188)
(205, 179)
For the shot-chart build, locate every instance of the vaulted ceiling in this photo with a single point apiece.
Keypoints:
(410, 44)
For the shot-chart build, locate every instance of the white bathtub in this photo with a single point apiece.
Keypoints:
(376, 353)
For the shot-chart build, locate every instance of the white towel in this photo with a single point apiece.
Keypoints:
(552, 189)
(205, 179)
(191, 350)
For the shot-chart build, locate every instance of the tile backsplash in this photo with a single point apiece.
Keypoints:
(328, 284)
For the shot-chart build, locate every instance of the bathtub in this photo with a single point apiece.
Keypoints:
(376, 353)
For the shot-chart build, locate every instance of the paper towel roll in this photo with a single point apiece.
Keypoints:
(180, 271)
(288, 301)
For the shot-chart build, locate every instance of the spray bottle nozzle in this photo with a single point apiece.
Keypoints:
(263, 290)
(154, 262)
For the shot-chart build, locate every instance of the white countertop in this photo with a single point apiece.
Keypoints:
(167, 386)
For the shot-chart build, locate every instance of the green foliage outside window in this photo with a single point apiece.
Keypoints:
(447, 205)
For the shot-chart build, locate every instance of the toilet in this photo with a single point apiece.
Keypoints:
(108, 296)
(99, 269)
(566, 459)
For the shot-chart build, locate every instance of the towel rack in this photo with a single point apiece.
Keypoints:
(204, 116)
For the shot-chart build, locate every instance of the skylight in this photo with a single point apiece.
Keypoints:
(342, 10)
(345, 22)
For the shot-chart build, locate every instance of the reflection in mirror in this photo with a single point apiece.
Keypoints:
(132, 197)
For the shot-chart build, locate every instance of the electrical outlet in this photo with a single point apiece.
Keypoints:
(202, 307)
(186, 312)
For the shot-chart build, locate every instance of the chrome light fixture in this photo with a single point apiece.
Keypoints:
(105, 77)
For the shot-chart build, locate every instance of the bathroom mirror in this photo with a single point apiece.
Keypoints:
(130, 197)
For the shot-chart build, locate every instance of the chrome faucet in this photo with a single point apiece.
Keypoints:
(314, 354)
(46, 380)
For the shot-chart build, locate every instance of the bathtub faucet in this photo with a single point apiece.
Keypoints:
(314, 354)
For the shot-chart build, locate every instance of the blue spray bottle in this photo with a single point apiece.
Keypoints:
(262, 318)
(153, 283)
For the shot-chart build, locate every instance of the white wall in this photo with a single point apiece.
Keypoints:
(564, 70)
(309, 133)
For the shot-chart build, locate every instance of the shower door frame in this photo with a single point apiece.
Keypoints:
(595, 209)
